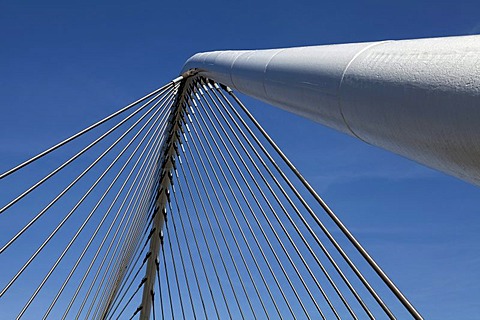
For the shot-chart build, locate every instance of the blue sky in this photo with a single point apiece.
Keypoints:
(64, 65)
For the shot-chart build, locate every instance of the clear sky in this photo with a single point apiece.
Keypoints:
(64, 65)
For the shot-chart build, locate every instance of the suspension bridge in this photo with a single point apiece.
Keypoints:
(180, 205)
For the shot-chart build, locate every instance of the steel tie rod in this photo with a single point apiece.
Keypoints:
(332, 215)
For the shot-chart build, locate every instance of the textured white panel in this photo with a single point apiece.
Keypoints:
(418, 98)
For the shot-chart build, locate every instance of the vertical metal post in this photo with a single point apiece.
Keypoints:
(166, 161)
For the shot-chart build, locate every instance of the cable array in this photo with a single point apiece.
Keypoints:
(184, 208)
(261, 243)
(93, 190)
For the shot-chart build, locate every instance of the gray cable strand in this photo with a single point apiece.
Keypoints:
(123, 230)
(182, 307)
(87, 246)
(190, 253)
(295, 227)
(182, 259)
(218, 223)
(87, 219)
(282, 268)
(127, 249)
(131, 298)
(204, 236)
(277, 218)
(159, 288)
(336, 245)
(69, 214)
(78, 154)
(166, 276)
(322, 247)
(194, 234)
(144, 162)
(110, 288)
(96, 124)
(239, 206)
(225, 217)
(119, 301)
(253, 215)
(337, 221)
(18, 234)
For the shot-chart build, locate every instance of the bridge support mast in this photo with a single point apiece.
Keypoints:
(159, 215)
(417, 98)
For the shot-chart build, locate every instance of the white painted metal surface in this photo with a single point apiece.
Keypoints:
(417, 98)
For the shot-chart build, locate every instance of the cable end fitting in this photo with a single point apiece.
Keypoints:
(190, 73)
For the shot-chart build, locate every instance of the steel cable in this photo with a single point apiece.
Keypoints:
(219, 225)
(91, 127)
(87, 219)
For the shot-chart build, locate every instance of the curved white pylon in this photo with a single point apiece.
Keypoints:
(417, 98)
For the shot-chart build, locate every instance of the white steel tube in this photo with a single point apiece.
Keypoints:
(417, 98)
